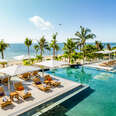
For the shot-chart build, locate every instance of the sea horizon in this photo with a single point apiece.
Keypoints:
(17, 49)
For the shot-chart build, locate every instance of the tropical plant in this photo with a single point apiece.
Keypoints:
(108, 46)
(78, 42)
(39, 58)
(28, 43)
(69, 48)
(84, 35)
(90, 51)
(36, 48)
(65, 56)
(48, 48)
(99, 45)
(114, 48)
(54, 45)
(32, 60)
(42, 45)
(3, 64)
(3, 47)
(74, 57)
(26, 62)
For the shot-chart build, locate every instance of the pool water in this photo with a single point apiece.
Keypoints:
(101, 102)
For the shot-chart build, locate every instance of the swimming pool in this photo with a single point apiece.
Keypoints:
(101, 102)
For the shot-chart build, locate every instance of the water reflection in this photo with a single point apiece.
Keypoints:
(103, 76)
(82, 76)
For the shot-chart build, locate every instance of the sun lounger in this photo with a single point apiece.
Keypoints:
(48, 80)
(23, 93)
(35, 73)
(4, 100)
(25, 76)
(37, 83)
(5, 81)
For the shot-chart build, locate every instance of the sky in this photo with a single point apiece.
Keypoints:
(36, 18)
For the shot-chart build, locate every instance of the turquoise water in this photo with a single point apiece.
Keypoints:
(101, 102)
(19, 49)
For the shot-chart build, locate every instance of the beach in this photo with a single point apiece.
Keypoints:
(21, 49)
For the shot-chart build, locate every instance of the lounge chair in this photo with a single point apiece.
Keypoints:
(23, 93)
(48, 80)
(37, 83)
(25, 76)
(5, 81)
(4, 100)
(35, 73)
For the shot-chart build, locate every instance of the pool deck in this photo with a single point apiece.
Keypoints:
(38, 97)
(97, 66)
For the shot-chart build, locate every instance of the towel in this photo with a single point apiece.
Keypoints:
(4, 99)
(44, 85)
(25, 91)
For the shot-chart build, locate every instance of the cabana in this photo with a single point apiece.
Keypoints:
(106, 52)
(52, 64)
(23, 57)
(14, 70)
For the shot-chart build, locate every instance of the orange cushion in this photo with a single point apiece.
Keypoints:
(49, 79)
(20, 88)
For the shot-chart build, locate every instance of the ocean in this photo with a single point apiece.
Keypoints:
(21, 49)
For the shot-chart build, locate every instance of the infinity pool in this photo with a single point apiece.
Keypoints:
(101, 102)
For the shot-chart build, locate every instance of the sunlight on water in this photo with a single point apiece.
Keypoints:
(102, 102)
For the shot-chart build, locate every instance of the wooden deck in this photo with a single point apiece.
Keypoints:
(38, 97)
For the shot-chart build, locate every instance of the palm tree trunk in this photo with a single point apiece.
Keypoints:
(28, 51)
(2, 53)
(41, 53)
(53, 53)
(69, 59)
(80, 48)
(36, 53)
(83, 54)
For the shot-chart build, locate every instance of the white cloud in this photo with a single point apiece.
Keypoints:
(41, 23)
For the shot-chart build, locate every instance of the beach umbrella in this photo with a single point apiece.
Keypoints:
(23, 57)
(16, 70)
(51, 64)
(3, 62)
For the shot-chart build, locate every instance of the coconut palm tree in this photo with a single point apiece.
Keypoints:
(48, 48)
(42, 45)
(108, 46)
(79, 44)
(28, 43)
(69, 48)
(36, 47)
(84, 35)
(54, 45)
(3, 47)
(99, 45)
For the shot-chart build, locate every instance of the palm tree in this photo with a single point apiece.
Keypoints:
(48, 48)
(99, 45)
(3, 46)
(83, 36)
(28, 43)
(36, 47)
(42, 45)
(54, 45)
(69, 48)
(108, 46)
(79, 44)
